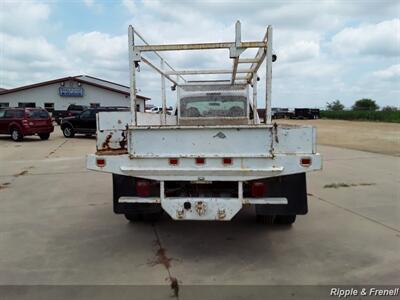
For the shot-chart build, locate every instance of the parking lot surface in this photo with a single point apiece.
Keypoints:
(57, 227)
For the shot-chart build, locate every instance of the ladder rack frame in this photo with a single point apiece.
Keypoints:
(236, 48)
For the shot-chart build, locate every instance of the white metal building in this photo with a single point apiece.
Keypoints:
(58, 94)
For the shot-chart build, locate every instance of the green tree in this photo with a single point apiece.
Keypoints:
(334, 106)
(365, 104)
(389, 108)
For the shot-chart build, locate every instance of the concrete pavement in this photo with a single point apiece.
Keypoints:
(57, 227)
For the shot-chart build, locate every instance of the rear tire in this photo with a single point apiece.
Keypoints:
(16, 134)
(152, 217)
(133, 217)
(146, 217)
(68, 131)
(44, 136)
(265, 219)
(285, 219)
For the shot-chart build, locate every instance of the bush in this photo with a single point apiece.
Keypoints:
(382, 116)
(389, 108)
(335, 106)
(365, 105)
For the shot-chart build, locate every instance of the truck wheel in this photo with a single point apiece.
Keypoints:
(68, 131)
(265, 219)
(147, 217)
(44, 136)
(16, 135)
(133, 217)
(152, 217)
(285, 219)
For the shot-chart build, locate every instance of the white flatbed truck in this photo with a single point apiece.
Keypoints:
(213, 155)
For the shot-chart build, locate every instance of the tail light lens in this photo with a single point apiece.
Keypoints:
(200, 160)
(100, 162)
(305, 161)
(227, 161)
(143, 188)
(173, 161)
(258, 189)
(25, 123)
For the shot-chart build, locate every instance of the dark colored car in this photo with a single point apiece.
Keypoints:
(72, 110)
(306, 113)
(20, 122)
(85, 122)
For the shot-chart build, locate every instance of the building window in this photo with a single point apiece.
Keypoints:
(26, 104)
(49, 106)
(137, 107)
(4, 104)
(94, 105)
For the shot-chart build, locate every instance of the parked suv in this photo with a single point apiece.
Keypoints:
(85, 122)
(72, 110)
(19, 122)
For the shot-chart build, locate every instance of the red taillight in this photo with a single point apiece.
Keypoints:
(305, 161)
(227, 161)
(173, 161)
(100, 162)
(142, 188)
(258, 189)
(200, 160)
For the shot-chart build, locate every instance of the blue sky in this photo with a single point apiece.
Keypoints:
(326, 50)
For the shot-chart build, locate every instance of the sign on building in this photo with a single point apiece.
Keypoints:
(65, 91)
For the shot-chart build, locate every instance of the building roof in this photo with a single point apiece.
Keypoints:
(97, 82)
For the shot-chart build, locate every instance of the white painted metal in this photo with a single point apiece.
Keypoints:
(202, 209)
(121, 120)
(156, 53)
(200, 46)
(248, 60)
(257, 151)
(220, 141)
(242, 168)
(268, 200)
(132, 69)
(208, 71)
(159, 70)
(268, 77)
(255, 97)
(163, 95)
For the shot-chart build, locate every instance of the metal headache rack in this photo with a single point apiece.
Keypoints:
(236, 48)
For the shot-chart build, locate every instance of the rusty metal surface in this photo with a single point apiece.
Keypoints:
(112, 140)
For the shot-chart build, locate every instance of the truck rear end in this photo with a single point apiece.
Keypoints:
(212, 156)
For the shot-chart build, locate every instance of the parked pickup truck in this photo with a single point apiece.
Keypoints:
(212, 156)
(20, 122)
(84, 122)
(72, 110)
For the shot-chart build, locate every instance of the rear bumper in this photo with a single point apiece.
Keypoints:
(242, 168)
(285, 195)
(204, 209)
